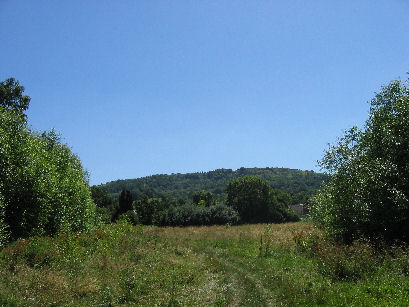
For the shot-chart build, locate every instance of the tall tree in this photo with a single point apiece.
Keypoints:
(101, 197)
(250, 197)
(43, 187)
(368, 191)
(125, 201)
(11, 95)
(256, 202)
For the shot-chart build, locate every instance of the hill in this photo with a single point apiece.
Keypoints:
(297, 182)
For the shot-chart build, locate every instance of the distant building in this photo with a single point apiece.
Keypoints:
(300, 209)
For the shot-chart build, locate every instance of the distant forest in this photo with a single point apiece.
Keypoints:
(299, 184)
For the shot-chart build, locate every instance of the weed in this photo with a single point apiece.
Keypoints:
(220, 303)
(253, 265)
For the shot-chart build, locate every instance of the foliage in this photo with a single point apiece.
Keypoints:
(107, 207)
(300, 184)
(187, 215)
(122, 265)
(250, 197)
(130, 217)
(11, 95)
(124, 204)
(165, 212)
(204, 198)
(103, 215)
(368, 192)
(256, 202)
(148, 209)
(101, 197)
(4, 234)
(125, 201)
(43, 187)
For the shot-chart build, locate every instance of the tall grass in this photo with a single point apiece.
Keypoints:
(247, 265)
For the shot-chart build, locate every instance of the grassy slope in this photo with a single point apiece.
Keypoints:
(249, 265)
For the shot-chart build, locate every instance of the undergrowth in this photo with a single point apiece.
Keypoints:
(247, 265)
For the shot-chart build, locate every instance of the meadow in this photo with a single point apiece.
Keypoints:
(247, 265)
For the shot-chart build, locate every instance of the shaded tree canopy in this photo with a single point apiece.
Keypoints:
(301, 184)
(256, 202)
(125, 202)
(205, 198)
(250, 197)
(11, 95)
(101, 197)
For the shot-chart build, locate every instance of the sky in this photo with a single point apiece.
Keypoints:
(138, 88)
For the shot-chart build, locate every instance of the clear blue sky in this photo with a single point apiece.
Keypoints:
(145, 87)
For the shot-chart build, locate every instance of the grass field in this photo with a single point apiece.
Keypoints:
(248, 265)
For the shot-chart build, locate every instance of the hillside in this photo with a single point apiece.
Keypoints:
(298, 182)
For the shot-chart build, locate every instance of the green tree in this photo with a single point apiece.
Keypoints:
(204, 198)
(125, 202)
(43, 187)
(101, 197)
(147, 209)
(250, 197)
(368, 191)
(11, 95)
(256, 202)
(106, 205)
(4, 232)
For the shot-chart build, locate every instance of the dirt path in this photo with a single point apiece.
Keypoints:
(241, 287)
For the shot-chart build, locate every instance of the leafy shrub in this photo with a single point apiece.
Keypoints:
(43, 187)
(187, 215)
(337, 261)
(222, 214)
(290, 215)
(368, 191)
(103, 215)
(4, 234)
(130, 217)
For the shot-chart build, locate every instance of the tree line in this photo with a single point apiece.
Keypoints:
(249, 200)
(44, 188)
(300, 185)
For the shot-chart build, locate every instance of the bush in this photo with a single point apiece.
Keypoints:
(103, 215)
(222, 214)
(367, 195)
(43, 188)
(290, 215)
(129, 217)
(337, 261)
(194, 215)
(4, 235)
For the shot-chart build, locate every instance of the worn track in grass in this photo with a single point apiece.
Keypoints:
(241, 287)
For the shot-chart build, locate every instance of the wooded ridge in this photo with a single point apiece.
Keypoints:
(300, 183)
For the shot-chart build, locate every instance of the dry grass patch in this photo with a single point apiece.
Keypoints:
(276, 234)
